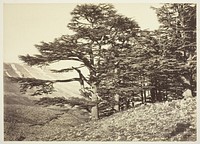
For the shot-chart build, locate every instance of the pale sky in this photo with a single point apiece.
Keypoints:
(25, 25)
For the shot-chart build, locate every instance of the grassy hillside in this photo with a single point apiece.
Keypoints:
(169, 121)
(34, 123)
(24, 120)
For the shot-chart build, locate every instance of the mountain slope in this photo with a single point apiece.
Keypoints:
(167, 121)
(24, 120)
(62, 89)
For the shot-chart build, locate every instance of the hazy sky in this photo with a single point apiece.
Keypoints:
(27, 24)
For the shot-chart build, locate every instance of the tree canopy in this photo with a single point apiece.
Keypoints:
(121, 58)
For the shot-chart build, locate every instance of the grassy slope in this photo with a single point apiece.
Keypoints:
(23, 120)
(170, 121)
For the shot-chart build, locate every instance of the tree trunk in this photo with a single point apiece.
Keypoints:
(189, 91)
(159, 95)
(116, 107)
(133, 100)
(94, 110)
(166, 95)
(128, 102)
(192, 86)
(148, 93)
(142, 98)
(156, 94)
(144, 90)
(153, 95)
(145, 96)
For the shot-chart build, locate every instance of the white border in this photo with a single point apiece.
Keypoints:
(91, 1)
(102, 1)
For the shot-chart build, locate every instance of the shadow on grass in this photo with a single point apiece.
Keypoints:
(180, 128)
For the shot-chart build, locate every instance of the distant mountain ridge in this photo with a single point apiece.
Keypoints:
(62, 89)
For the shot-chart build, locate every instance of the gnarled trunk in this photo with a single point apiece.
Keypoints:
(94, 110)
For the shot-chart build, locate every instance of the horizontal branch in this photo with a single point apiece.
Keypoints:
(67, 80)
(37, 82)
(65, 70)
(41, 86)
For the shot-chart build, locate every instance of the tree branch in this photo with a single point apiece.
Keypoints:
(65, 70)
(42, 86)
(82, 77)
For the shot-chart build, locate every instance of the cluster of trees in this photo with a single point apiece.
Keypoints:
(125, 63)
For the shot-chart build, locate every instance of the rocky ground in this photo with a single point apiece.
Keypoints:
(169, 121)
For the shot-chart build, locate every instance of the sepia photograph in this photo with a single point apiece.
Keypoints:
(100, 72)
